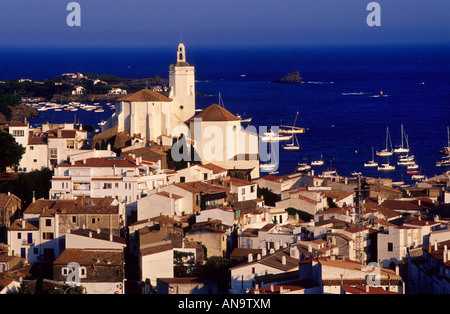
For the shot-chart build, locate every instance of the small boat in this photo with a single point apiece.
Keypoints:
(354, 173)
(412, 166)
(406, 158)
(406, 163)
(99, 110)
(401, 148)
(303, 167)
(292, 146)
(386, 152)
(417, 177)
(413, 172)
(386, 167)
(446, 149)
(328, 174)
(291, 129)
(274, 137)
(317, 162)
(443, 163)
(371, 163)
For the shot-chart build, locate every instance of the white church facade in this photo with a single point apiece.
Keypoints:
(159, 118)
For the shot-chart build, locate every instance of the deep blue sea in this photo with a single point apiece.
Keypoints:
(338, 102)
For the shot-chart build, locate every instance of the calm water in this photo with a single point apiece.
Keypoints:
(338, 100)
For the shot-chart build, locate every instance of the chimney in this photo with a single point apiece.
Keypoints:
(23, 224)
(250, 257)
(90, 234)
(309, 248)
(445, 256)
(264, 252)
(258, 257)
(435, 245)
(110, 236)
(283, 260)
(367, 288)
(397, 270)
(98, 230)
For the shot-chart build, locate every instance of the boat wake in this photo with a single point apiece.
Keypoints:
(314, 82)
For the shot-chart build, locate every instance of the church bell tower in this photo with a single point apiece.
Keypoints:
(182, 86)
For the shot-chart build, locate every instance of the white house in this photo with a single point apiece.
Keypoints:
(123, 178)
(395, 242)
(158, 204)
(48, 145)
(156, 261)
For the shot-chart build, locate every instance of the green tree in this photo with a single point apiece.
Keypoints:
(11, 152)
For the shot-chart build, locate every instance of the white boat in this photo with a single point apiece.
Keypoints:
(356, 173)
(291, 129)
(317, 162)
(274, 137)
(328, 174)
(303, 167)
(292, 146)
(401, 148)
(417, 177)
(388, 150)
(443, 163)
(406, 163)
(406, 158)
(99, 110)
(446, 149)
(371, 163)
(412, 166)
(386, 167)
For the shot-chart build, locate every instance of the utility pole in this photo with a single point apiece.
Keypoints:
(359, 243)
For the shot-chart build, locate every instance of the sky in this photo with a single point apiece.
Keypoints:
(222, 22)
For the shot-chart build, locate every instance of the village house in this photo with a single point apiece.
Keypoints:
(125, 179)
(429, 269)
(97, 271)
(278, 184)
(395, 241)
(213, 235)
(40, 235)
(48, 145)
(10, 206)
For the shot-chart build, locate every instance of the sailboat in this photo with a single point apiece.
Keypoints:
(292, 129)
(317, 162)
(386, 151)
(401, 148)
(292, 146)
(386, 167)
(446, 150)
(371, 163)
(270, 167)
(274, 137)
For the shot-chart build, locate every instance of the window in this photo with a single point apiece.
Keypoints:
(74, 219)
(253, 270)
(48, 222)
(47, 235)
(107, 186)
(18, 133)
(19, 235)
(34, 160)
(31, 147)
(182, 179)
(205, 176)
(70, 143)
(93, 220)
(35, 251)
(390, 247)
(252, 188)
(116, 185)
(64, 271)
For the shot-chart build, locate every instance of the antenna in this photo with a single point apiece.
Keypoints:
(359, 243)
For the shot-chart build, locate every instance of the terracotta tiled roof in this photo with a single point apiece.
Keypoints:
(17, 225)
(156, 248)
(215, 169)
(145, 95)
(89, 257)
(215, 113)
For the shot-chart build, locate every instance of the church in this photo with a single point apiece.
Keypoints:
(151, 115)
(158, 118)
